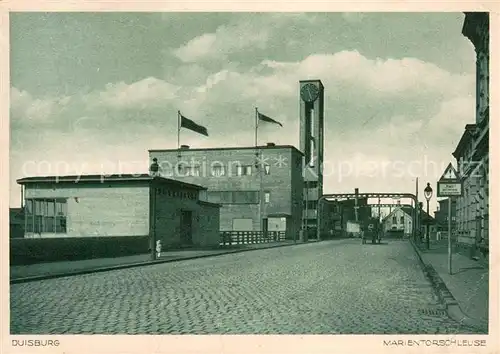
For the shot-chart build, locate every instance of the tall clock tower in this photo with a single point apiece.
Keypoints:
(311, 144)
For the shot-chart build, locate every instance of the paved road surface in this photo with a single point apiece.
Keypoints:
(328, 287)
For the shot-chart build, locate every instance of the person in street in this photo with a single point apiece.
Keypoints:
(154, 169)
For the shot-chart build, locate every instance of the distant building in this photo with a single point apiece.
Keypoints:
(126, 205)
(441, 215)
(400, 220)
(336, 214)
(473, 207)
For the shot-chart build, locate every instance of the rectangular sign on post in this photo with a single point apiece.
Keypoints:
(449, 185)
(449, 189)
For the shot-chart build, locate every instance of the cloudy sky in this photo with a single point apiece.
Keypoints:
(92, 92)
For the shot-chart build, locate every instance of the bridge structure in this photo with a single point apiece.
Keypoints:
(356, 195)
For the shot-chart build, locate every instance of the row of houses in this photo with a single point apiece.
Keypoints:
(472, 151)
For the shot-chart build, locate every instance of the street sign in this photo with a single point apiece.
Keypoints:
(449, 185)
(453, 189)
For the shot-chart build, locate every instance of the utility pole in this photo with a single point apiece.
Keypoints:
(379, 209)
(356, 192)
(449, 236)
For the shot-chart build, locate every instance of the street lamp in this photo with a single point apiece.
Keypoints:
(428, 196)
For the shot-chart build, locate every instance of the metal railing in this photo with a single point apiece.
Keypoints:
(229, 238)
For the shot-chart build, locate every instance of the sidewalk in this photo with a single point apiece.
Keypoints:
(468, 283)
(24, 273)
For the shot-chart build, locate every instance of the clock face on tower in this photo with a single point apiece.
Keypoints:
(309, 93)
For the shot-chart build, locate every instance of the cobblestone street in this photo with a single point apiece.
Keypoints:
(328, 287)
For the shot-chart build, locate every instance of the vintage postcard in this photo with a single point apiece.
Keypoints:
(219, 178)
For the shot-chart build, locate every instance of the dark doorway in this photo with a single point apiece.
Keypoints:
(186, 227)
(265, 228)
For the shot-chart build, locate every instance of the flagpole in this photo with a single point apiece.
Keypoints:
(416, 222)
(259, 169)
(178, 129)
(178, 139)
(256, 123)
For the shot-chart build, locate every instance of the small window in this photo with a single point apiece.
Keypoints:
(267, 197)
(394, 220)
(311, 184)
(311, 204)
(244, 170)
(267, 169)
(218, 171)
(193, 171)
(402, 220)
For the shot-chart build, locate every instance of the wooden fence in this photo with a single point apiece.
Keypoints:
(229, 238)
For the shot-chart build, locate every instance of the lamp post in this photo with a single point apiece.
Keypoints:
(428, 196)
(420, 221)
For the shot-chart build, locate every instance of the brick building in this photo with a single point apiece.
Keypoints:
(259, 188)
(473, 207)
(126, 205)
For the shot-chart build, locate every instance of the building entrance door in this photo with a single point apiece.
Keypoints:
(186, 227)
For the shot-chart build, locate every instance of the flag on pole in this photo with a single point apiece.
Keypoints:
(265, 118)
(191, 125)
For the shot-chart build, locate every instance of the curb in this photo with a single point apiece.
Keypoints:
(147, 263)
(445, 296)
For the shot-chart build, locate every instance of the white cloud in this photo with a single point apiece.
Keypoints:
(386, 77)
(24, 106)
(452, 116)
(224, 41)
(197, 48)
(144, 93)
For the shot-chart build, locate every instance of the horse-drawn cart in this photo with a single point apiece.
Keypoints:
(371, 232)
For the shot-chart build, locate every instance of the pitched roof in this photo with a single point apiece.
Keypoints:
(406, 210)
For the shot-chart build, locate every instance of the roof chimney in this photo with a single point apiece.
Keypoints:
(271, 144)
(184, 147)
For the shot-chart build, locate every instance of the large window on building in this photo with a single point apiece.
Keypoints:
(46, 215)
(312, 153)
(233, 197)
